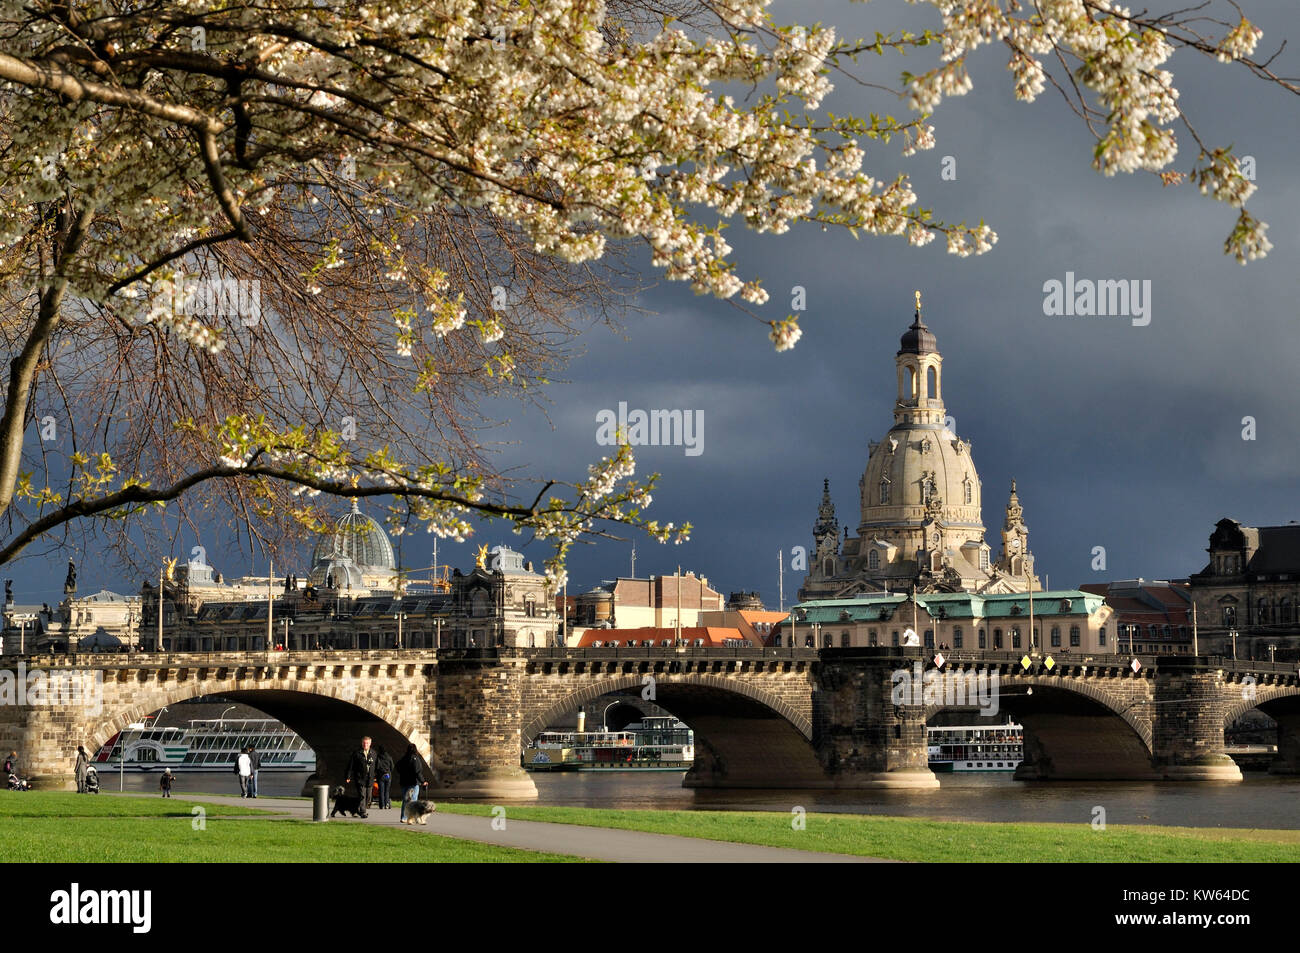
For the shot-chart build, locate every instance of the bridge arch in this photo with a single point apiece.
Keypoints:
(745, 735)
(1076, 730)
(604, 685)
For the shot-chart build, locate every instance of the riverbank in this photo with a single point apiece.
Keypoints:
(909, 839)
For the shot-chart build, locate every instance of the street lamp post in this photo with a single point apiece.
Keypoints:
(1233, 633)
(287, 623)
(400, 616)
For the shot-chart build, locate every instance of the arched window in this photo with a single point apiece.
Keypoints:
(1015, 636)
(1262, 611)
(828, 566)
(984, 559)
(1101, 636)
(932, 383)
(956, 636)
(997, 638)
(1056, 636)
(909, 380)
(884, 491)
(844, 639)
(873, 559)
(968, 492)
(777, 641)
(983, 639)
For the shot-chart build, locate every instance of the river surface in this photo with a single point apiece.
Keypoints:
(1261, 801)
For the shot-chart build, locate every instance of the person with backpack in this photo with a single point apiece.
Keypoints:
(243, 768)
(384, 774)
(411, 771)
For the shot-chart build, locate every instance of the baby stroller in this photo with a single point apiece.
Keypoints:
(18, 784)
(92, 781)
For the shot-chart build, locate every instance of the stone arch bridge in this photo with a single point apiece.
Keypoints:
(763, 717)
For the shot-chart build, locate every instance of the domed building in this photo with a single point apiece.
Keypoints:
(920, 499)
(358, 556)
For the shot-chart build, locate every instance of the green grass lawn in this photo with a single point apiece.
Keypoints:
(898, 838)
(55, 826)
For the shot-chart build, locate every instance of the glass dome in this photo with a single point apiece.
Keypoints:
(360, 539)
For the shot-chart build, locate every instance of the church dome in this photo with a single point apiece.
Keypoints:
(919, 471)
(359, 538)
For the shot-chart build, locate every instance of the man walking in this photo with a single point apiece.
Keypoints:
(254, 762)
(83, 763)
(244, 767)
(361, 772)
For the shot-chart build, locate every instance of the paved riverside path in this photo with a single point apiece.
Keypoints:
(596, 843)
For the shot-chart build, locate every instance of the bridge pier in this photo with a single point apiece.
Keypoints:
(477, 735)
(869, 723)
(1188, 721)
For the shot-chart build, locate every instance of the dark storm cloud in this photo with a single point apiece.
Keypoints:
(1120, 436)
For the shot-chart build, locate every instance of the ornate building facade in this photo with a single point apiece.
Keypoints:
(1249, 592)
(920, 501)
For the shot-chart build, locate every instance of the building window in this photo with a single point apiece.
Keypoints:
(884, 491)
(530, 608)
(1015, 636)
(1262, 614)
(828, 566)
(969, 493)
(871, 634)
(997, 638)
(844, 640)
(1229, 615)
(983, 640)
(929, 638)
(873, 559)
(956, 637)
(1056, 636)
(1074, 636)
(895, 637)
(777, 641)
(984, 559)
(1101, 636)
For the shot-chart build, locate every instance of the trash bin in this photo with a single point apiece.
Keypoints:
(321, 803)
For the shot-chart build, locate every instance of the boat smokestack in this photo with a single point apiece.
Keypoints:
(582, 720)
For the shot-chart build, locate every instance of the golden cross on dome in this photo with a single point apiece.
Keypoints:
(918, 301)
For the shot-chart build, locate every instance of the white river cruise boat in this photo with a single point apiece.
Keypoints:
(209, 744)
(975, 747)
(655, 743)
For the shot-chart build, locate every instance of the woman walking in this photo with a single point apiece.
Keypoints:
(411, 776)
(384, 774)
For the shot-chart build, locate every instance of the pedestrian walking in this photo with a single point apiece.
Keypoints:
(361, 772)
(244, 768)
(11, 763)
(411, 775)
(83, 764)
(254, 762)
(384, 774)
(165, 782)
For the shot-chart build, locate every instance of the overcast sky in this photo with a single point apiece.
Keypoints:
(1119, 436)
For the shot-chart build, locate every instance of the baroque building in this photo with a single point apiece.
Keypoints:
(920, 502)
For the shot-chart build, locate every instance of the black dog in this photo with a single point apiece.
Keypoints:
(345, 803)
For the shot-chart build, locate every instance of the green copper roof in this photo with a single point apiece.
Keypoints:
(954, 605)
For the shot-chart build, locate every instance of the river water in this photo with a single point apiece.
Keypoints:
(1261, 801)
